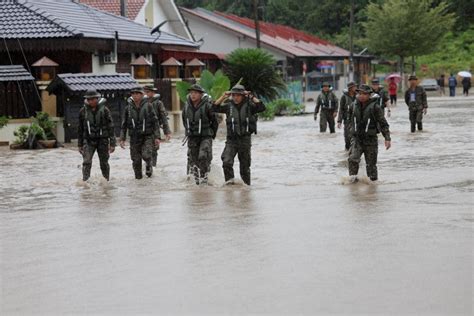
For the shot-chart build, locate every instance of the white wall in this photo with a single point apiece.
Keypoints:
(97, 68)
(220, 40)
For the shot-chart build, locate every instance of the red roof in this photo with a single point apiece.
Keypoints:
(275, 30)
(113, 6)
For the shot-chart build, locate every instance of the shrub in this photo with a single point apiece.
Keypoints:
(3, 121)
(24, 131)
(44, 121)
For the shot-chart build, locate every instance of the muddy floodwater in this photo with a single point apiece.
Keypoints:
(300, 240)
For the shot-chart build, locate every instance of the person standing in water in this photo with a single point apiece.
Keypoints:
(327, 103)
(366, 120)
(415, 98)
(241, 120)
(348, 97)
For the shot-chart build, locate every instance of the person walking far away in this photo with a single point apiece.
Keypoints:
(466, 85)
(392, 90)
(452, 83)
(415, 98)
(327, 103)
(95, 133)
(441, 85)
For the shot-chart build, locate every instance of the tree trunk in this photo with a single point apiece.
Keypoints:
(402, 75)
(413, 66)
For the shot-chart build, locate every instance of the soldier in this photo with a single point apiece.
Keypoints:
(366, 119)
(95, 133)
(160, 111)
(200, 123)
(383, 97)
(241, 120)
(415, 98)
(348, 97)
(327, 102)
(141, 122)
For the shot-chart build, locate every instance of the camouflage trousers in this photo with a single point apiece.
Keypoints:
(240, 146)
(154, 155)
(347, 136)
(141, 148)
(369, 148)
(327, 118)
(416, 118)
(102, 148)
(199, 157)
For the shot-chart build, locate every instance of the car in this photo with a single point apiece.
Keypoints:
(430, 84)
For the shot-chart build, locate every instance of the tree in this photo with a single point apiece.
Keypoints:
(255, 69)
(407, 27)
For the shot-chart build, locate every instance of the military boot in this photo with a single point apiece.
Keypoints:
(413, 127)
(149, 170)
(420, 126)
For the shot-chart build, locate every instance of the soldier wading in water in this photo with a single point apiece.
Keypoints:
(366, 120)
(200, 124)
(95, 133)
(347, 99)
(141, 122)
(241, 120)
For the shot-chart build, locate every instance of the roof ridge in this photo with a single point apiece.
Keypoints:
(44, 14)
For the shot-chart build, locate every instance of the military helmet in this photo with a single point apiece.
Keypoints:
(351, 84)
(91, 93)
(138, 89)
(375, 81)
(150, 87)
(412, 77)
(363, 88)
(326, 84)
(196, 87)
(238, 89)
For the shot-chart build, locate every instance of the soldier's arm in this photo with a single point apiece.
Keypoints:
(156, 123)
(110, 127)
(407, 97)
(123, 128)
(342, 109)
(257, 107)
(220, 107)
(380, 118)
(318, 104)
(164, 118)
(80, 129)
(336, 100)
(350, 113)
(423, 97)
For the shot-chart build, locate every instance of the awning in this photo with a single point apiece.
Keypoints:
(188, 55)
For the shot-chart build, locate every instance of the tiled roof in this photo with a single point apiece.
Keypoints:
(14, 73)
(291, 41)
(113, 6)
(80, 82)
(64, 18)
(45, 62)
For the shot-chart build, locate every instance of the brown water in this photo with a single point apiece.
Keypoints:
(299, 241)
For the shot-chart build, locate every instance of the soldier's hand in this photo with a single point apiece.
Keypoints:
(81, 150)
(339, 125)
(227, 94)
(334, 114)
(315, 117)
(122, 144)
(168, 137)
(111, 149)
(388, 144)
(157, 142)
(389, 113)
(425, 110)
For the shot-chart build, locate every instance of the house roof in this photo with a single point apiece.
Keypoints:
(80, 82)
(171, 62)
(286, 39)
(195, 62)
(35, 19)
(141, 61)
(14, 73)
(113, 6)
(45, 62)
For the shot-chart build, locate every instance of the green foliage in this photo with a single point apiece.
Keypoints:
(3, 121)
(214, 84)
(22, 133)
(406, 27)
(281, 107)
(269, 113)
(256, 70)
(44, 121)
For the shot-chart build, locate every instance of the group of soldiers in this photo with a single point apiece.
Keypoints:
(145, 115)
(362, 110)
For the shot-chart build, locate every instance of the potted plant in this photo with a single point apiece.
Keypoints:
(44, 121)
(24, 133)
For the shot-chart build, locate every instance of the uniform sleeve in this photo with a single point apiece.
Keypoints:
(342, 109)
(164, 118)
(156, 124)
(380, 118)
(257, 107)
(318, 104)
(385, 97)
(336, 100)
(407, 97)
(423, 98)
(350, 113)
(123, 128)
(110, 127)
(80, 129)
(220, 108)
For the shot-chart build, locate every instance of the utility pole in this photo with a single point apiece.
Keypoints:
(351, 57)
(257, 25)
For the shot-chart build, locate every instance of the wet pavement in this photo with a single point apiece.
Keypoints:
(301, 240)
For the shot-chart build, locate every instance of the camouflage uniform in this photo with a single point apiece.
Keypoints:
(327, 102)
(162, 114)
(95, 133)
(241, 121)
(383, 97)
(199, 122)
(342, 115)
(365, 121)
(142, 125)
(416, 107)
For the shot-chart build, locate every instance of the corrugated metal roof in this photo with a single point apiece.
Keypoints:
(64, 18)
(14, 73)
(286, 39)
(80, 82)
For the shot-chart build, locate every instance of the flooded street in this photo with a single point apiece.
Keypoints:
(300, 240)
